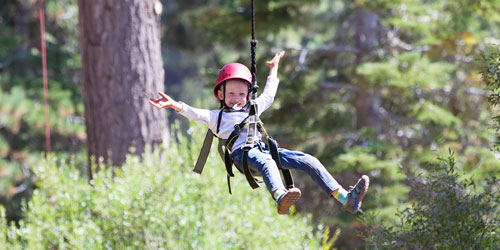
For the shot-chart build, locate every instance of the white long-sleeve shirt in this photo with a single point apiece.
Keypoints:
(229, 119)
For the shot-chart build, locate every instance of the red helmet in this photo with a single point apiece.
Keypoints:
(233, 71)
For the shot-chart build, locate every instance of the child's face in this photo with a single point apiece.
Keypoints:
(236, 93)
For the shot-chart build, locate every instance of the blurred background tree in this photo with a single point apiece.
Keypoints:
(491, 74)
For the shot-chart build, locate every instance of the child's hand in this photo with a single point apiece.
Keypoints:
(165, 102)
(276, 59)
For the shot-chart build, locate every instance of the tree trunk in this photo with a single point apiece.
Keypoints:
(121, 68)
(367, 103)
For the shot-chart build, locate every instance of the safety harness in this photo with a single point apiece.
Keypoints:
(253, 124)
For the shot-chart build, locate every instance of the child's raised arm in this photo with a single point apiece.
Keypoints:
(265, 100)
(165, 102)
(273, 64)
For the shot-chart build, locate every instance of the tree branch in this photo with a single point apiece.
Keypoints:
(340, 85)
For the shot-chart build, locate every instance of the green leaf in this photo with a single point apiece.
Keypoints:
(428, 112)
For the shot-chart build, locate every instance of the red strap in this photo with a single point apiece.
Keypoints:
(44, 72)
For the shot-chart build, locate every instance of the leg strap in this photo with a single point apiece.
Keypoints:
(246, 170)
(229, 183)
(273, 147)
(229, 163)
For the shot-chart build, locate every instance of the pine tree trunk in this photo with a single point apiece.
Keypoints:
(368, 101)
(121, 68)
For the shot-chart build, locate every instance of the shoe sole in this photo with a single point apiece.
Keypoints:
(291, 197)
(365, 189)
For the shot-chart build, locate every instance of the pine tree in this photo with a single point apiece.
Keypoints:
(122, 68)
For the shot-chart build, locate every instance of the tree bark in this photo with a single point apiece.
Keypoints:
(369, 112)
(121, 68)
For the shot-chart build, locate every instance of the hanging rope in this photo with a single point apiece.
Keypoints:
(253, 45)
(44, 73)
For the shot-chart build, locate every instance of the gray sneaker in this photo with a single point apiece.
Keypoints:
(356, 194)
(286, 200)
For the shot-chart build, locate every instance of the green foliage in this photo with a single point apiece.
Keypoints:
(430, 113)
(446, 213)
(328, 242)
(8, 38)
(153, 204)
(433, 22)
(381, 5)
(407, 70)
(22, 117)
(491, 75)
(231, 21)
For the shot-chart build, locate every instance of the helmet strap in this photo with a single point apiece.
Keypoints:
(223, 101)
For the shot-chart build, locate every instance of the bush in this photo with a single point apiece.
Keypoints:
(446, 214)
(156, 203)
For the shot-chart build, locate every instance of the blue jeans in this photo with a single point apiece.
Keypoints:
(260, 160)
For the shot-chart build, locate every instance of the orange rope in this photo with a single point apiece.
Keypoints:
(44, 72)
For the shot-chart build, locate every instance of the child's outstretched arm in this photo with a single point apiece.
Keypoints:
(165, 102)
(273, 64)
(265, 100)
(202, 116)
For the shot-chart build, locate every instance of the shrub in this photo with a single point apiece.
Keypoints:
(446, 214)
(156, 203)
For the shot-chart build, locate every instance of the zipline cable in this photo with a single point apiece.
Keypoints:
(44, 73)
(253, 44)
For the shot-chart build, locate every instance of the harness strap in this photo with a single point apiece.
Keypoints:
(287, 175)
(219, 118)
(229, 163)
(273, 148)
(226, 157)
(220, 147)
(252, 128)
(246, 170)
(205, 150)
(229, 184)
(207, 144)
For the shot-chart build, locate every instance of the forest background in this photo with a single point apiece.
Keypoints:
(384, 88)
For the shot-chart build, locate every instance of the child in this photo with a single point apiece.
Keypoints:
(232, 89)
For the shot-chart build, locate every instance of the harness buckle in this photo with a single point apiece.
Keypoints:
(249, 144)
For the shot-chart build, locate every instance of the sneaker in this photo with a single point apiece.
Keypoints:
(356, 194)
(286, 200)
